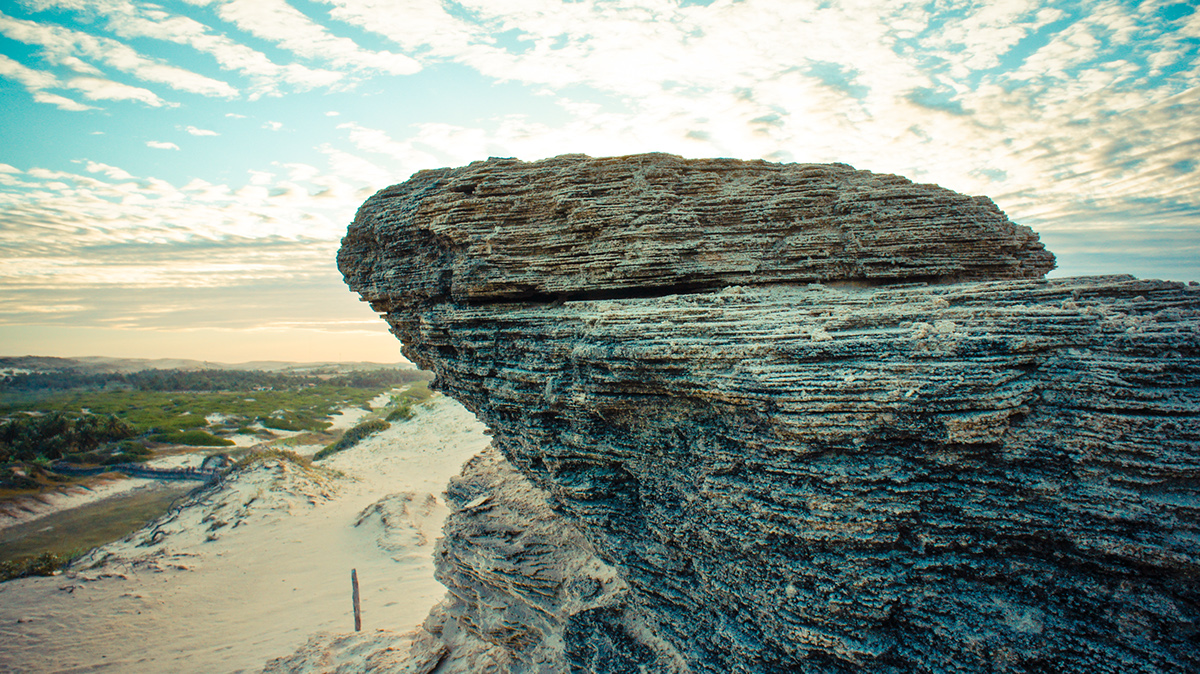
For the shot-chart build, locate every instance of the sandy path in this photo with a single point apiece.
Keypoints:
(276, 572)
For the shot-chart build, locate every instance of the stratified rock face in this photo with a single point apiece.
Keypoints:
(574, 227)
(972, 476)
(526, 592)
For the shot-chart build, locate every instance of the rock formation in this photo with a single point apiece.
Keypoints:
(814, 419)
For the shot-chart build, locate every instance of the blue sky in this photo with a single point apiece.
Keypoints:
(175, 177)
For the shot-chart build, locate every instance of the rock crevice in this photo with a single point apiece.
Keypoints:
(826, 460)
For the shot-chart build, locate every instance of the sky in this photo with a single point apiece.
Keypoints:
(175, 177)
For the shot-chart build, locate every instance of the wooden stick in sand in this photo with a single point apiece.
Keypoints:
(357, 610)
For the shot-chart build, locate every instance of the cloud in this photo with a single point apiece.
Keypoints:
(74, 63)
(980, 37)
(358, 169)
(109, 206)
(110, 171)
(160, 145)
(98, 89)
(93, 88)
(422, 24)
(35, 81)
(31, 79)
(1076, 119)
(279, 22)
(61, 102)
(63, 46)
(1053, 113)
(130, 20)
(201, 132)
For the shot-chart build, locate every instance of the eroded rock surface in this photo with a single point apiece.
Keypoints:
(526, 592)
(868, 473)
(573, 226)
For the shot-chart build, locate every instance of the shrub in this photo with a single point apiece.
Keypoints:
(293, 424)
(121, 458)
(193, 439)
(85, 457)
(353, 437)
(180, 422)
(50, 436)
(255, 458)
(416, 393)
(134, 448)
(11, 478)
(45, 564)
(402, 412)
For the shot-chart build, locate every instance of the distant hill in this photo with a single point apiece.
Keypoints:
(102, 364)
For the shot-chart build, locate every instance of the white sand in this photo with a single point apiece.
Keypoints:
(348, 416)
(276, 573)
(241, 440)
(345, 418)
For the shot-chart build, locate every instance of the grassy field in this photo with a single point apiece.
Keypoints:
(92, 418)
(167, 411)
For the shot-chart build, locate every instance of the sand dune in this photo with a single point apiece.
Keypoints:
(249, 570)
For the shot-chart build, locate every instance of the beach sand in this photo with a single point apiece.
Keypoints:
(252, 569)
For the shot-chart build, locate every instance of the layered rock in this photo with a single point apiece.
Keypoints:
(931, 460)
(575, 227)
(526, 592)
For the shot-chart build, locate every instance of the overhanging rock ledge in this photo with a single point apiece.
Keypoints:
(792, 417)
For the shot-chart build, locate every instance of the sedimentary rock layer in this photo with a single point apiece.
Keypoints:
(526, 592)
(574, 227)
(984, 475)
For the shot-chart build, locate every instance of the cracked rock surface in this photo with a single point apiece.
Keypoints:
(814, 418)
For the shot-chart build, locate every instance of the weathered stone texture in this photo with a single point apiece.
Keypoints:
(970, 476)
(525, 590)
(576, 226)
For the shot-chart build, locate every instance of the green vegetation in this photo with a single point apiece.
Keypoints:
(45, 564)
(161, 412)
(205, 380)
(39, 438)
(401, 408)
(289, 421)
(416, 393)
(23, 478)
(274, 453)
(163, 401)
(106, 419)
(353, 437)
(193, 438)
(254, 458)
(401, 412)
(127, 451)
(296, 403)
